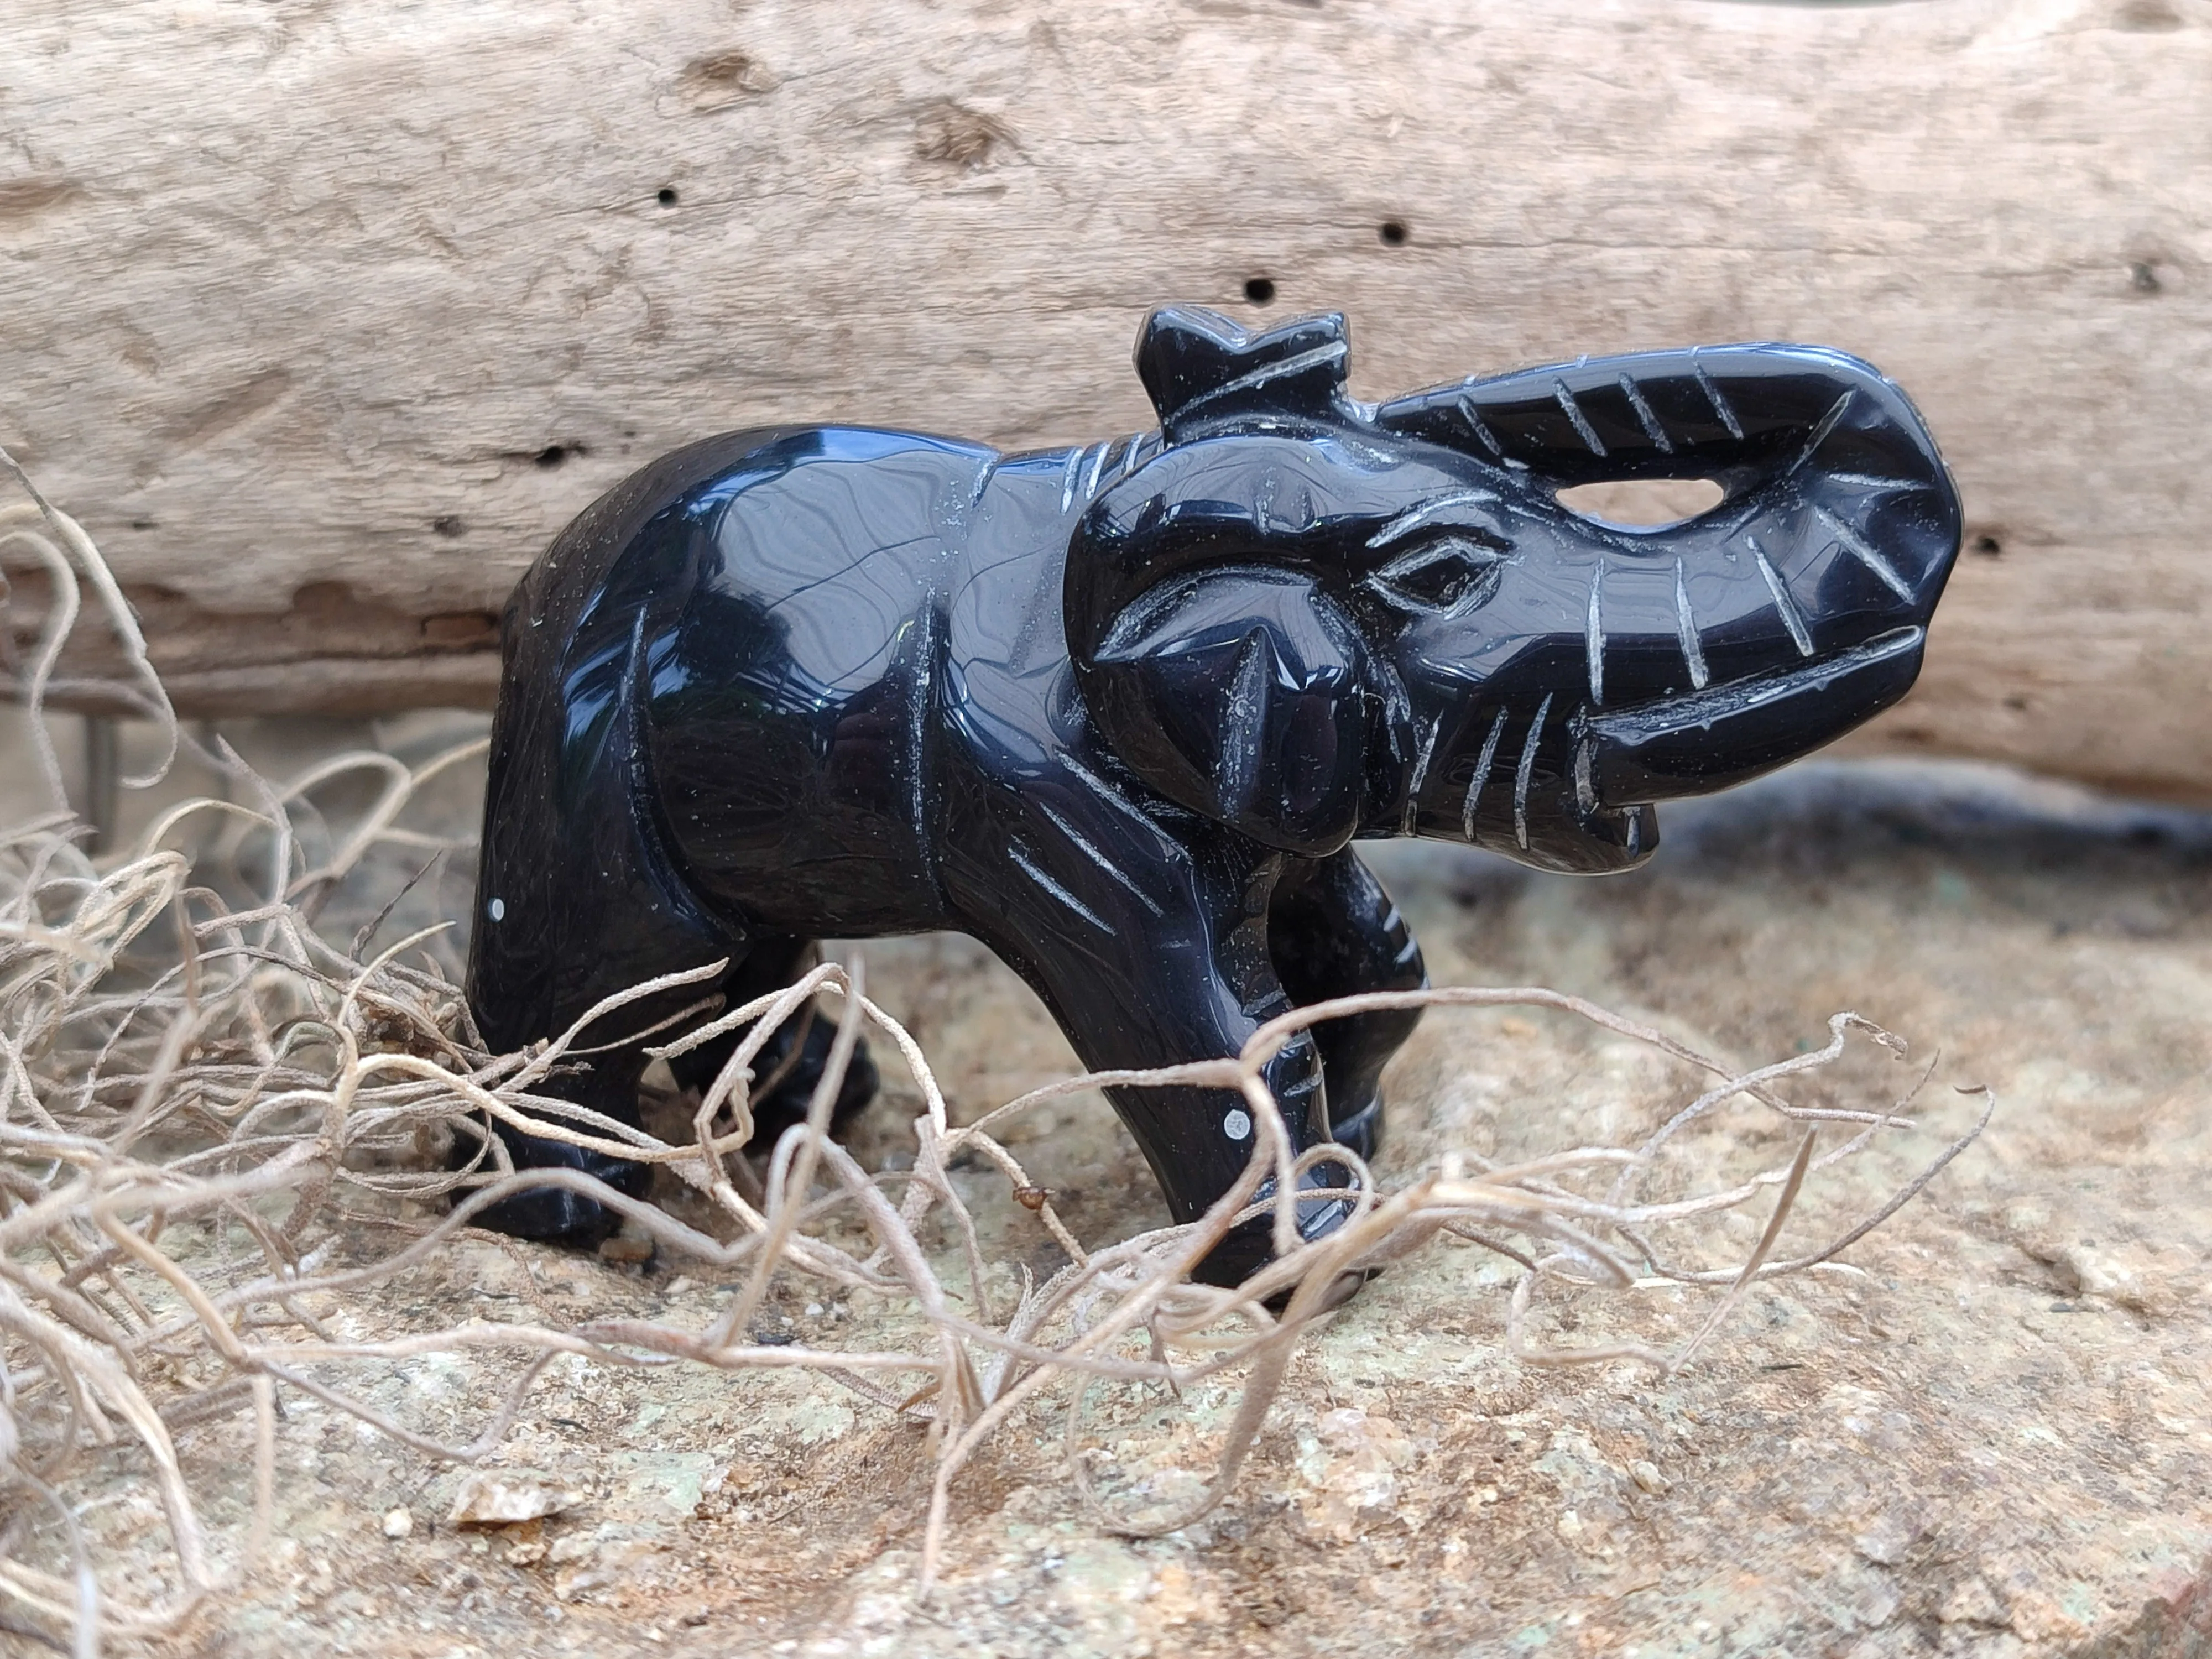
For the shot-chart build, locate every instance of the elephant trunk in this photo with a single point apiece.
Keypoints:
(1726, 734)
(1717, 649)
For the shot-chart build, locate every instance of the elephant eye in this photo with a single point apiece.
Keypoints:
(1450, 575)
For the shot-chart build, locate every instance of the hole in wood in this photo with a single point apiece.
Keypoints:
(460, 629)
(666, 196)
(1393, 233)
(327, 600)
(1260, 290)
(1643, 503)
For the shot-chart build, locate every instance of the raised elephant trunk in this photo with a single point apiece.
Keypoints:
(1476, 659)
(1726, 644)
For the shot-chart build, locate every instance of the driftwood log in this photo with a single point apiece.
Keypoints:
(324, 317)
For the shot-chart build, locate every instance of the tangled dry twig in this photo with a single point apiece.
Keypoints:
(195, 1095)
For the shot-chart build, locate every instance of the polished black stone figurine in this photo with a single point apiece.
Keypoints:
(1119, 712)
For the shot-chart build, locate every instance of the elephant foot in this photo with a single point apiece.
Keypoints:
(1251, 1247)
(557, 1215)
(1361, 1133)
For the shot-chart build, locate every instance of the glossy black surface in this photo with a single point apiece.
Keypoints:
(1120, 712)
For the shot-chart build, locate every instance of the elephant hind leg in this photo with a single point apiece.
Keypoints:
(605, 1075)
(599, 948)
(790, 1064)
(1334, 931)
(577, 901)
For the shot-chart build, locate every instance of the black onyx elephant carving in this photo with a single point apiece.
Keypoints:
(1120, 712)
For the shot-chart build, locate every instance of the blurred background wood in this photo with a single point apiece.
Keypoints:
(323, 317)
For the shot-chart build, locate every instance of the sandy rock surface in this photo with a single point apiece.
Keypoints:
(1988, 1433)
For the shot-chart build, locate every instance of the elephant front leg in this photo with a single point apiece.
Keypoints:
(1150, 954)
(1334, 931)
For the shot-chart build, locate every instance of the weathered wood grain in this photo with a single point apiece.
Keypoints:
(323, 316)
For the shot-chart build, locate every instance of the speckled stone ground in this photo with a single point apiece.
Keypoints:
(1992, 1435)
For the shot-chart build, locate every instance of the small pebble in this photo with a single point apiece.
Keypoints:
(1647, 1476)
(1571, 1525)
(500, 1497)
(398, 1523)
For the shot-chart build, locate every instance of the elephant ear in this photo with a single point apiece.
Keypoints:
(1239, 693)
(1203, 370)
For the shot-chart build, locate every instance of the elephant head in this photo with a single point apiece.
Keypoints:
(1312, 619)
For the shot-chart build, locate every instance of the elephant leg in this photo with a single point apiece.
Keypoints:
(512, 1012)
(1150, 954)
(576, 900)
(515, 1006)
(1334, 931)
(791, 1063)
